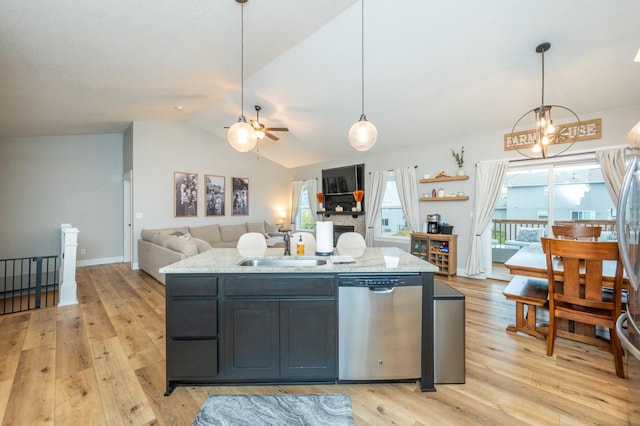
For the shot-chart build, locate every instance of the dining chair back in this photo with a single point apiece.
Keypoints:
(351, 244)
(252, 240)
(575, 291)
(577, 232)
(350, 240)
(309, 242)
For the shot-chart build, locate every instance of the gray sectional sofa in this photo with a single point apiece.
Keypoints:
(162, 247)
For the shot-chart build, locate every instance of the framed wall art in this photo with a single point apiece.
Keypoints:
(240, 196)
(214, 196)
(186, 194)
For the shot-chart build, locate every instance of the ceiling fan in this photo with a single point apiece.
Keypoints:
(262, 131)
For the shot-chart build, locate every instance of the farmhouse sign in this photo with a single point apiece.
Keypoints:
(565, 133)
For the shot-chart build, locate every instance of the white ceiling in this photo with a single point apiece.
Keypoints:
(434, 70)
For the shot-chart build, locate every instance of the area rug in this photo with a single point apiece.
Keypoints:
(285, 409)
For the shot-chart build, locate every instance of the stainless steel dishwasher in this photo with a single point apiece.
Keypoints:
(380, 327)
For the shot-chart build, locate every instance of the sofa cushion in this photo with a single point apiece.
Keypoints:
(187, 246)
(257, 227)
(208, 233)
(232, 232)
(201, 244)
(529, 235)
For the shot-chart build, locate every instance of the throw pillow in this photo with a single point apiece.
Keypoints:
(188, 247)
(529, 235)
(271, 229)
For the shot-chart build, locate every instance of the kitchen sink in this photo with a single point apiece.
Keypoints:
(282, 262)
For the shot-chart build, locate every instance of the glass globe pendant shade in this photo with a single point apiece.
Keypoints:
(363, 134)
(241, 136)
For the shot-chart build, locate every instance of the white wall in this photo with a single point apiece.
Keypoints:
(162, 148)
(434, 156)
(47, 181)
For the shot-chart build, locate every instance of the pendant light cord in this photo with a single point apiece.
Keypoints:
(543, 78)
(362, 53)
(242, 59)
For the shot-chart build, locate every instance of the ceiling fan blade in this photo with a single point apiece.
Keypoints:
(277, 129)
(272, 137)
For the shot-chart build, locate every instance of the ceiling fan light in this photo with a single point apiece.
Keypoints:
(363, 135)
(260, 134)
(536, 148)
(241, 136)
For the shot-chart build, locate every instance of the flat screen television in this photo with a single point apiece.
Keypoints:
(343, 180)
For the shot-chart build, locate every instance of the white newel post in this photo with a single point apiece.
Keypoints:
(69, 244)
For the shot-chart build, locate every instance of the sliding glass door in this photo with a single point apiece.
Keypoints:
(535, 197)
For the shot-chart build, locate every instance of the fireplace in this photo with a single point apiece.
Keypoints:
(340, 229)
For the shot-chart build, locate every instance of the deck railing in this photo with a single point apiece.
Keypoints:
(28, 283)
(507, 229)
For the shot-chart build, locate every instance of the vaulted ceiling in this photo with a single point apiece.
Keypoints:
(434, 70)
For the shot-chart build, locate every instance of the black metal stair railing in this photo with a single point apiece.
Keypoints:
(28, 283)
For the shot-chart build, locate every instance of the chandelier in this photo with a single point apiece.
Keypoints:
(545, 132)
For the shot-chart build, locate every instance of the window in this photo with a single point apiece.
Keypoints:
(551, 193)
(392, 220)
(305, 220)
(583, 214)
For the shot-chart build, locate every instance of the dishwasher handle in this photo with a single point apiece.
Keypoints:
(382, 290)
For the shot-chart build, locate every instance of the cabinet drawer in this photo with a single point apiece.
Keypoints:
(192, 318)
(192, 359)
(279, 285)
(182, 285)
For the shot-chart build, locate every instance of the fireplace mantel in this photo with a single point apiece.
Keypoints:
(328, 213)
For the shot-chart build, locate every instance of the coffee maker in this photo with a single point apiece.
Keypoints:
(432, 223)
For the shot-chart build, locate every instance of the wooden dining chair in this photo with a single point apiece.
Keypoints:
(575, 291)
(577, 232)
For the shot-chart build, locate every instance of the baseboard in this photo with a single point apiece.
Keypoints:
(99, 261)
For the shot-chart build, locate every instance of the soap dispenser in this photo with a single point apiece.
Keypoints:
(300, 247)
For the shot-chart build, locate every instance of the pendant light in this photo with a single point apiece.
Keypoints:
(242, 136)
(545, 132)
(363, 134)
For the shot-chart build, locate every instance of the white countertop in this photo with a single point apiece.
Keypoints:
(371, 260)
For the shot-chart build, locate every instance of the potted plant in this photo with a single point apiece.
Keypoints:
(460, 160)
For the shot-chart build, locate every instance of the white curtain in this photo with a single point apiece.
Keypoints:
(612, 163)
(374, 194)
(406, 181)
(296, 187)
(490, 177)
(312, 190)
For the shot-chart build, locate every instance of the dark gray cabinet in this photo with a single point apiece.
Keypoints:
(192, 329)
(279, 327)
(251, 328)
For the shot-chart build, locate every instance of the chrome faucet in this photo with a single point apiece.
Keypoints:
(287, 247)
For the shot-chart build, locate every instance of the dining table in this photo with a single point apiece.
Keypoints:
(531, 261)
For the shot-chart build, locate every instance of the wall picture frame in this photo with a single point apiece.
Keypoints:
(185, 186)
(214, 187)
(240, 196)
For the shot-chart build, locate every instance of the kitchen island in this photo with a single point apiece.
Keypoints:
(247, 317)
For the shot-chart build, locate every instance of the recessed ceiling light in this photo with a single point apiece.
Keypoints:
(178, 107)
(637, 59)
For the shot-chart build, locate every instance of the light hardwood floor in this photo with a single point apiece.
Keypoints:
(102, 362)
